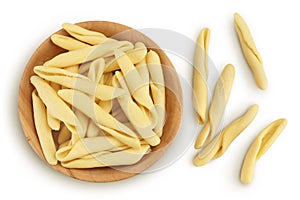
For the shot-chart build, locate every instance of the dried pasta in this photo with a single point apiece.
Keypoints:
(43, 130)
(67, 43)
(220, 143)
(103, 159)
(103, 97)
(260, 145)
(200, 90)
(217, 106)
(84, 35)
(250, 52)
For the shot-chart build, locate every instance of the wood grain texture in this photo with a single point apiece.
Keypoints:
(47, 50)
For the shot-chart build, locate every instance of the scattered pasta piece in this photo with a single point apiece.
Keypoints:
(250, 52)
(217, 106)
(219, 144)
(260, 145)
(200, 90)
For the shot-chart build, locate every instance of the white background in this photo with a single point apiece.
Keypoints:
(275, 28)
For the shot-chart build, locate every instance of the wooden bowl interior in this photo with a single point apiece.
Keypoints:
(48, 50)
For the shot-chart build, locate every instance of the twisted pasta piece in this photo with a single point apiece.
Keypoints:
(260, 145)
(136, 116)
(250, 52)
(217, 106)
(85, 35)
(104, 120)
(136, 55)
(157, 86)
(105, 158)
(67, 43)
(79, 82)
(43, 130)
(219, 144)
(200, 90)
(87, 54)
(86, 146)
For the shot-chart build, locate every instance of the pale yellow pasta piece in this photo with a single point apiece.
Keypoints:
(67, 43)
(106, 105)
(200, 75)
(259, 146)
(85, 35)
(57, 107)
(106, 79)
(92, 130)
(136, 116)
(77, 81)
(86, 146)
(73, 68)
(134, 81)
(219, 144)
(84, 121)
(83, 55)
(135, 55)
(142, 69)
(43, 130)
(53, 123)
(84, 103)
(64, 135)
(96, 70)
(250, 52)
(217, 106)
(129, 141)
(84, 68)
(103, 159)
(157, 87)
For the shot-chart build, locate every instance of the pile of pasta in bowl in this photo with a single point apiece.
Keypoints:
(100, 103)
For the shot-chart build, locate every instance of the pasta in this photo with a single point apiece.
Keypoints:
(87, 146)
(53, 123)
(217, 106)
(200, 90)
(43, 130)
(102, 159)
(136, 55)
(67, 43)
(86, 54)
(103, 97)
(86, 105)
(250, 52)
(260, 145)
(133, 80)
(219, 144)
(139, 120)
(57, 108)
(79, 82)
(84, 35)
(157, 86)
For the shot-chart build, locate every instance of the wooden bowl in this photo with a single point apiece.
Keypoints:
(47, 50)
